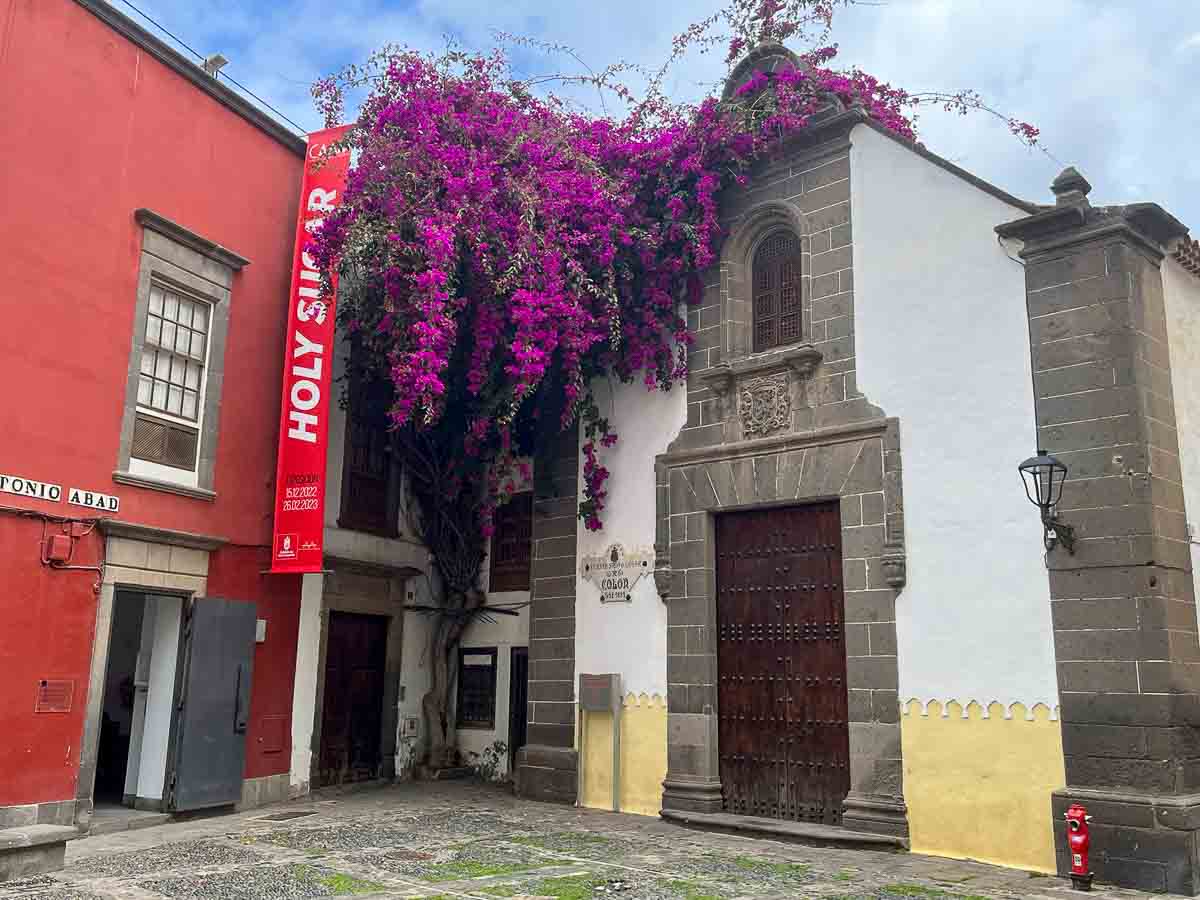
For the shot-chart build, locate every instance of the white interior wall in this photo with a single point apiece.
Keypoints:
(141, 685)
(414, 677)
(943, 343)
(628, 638)
(304, 686)
(160, 698)
(1181, 295)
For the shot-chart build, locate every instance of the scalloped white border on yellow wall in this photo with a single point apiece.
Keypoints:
(953, 706)
(643, 699)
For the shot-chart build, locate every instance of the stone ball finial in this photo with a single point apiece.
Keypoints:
(768, 56)
(1070, 187)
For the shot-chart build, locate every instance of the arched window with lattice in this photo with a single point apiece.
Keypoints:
(777, 307)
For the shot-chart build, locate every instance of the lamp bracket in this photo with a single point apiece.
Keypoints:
(1058, 533)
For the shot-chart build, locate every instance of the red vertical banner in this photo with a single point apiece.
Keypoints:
(307, 365)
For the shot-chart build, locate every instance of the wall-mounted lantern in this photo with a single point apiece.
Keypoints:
(1044, 476)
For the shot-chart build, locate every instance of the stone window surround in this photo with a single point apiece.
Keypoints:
(797, 466)
(737, 276)
(181, 260)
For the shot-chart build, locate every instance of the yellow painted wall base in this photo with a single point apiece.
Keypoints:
(643, 756)
(979, 788)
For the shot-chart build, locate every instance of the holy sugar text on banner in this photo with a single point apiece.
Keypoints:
(304, 419)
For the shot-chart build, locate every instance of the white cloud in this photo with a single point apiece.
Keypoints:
(1103, 79)
(1190, 42)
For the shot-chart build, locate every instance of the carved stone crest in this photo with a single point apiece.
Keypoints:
(765, 405)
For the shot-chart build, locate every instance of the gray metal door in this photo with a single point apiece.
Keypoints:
(214, 704)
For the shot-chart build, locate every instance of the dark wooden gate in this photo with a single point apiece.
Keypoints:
(352, 703)
(781, 659)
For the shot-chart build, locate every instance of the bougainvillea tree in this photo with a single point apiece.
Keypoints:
(502, 249)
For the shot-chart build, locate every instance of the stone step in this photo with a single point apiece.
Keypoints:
(784, 830)
(32, 849)
(131, 822)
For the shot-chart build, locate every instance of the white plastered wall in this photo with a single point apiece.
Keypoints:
(628, 638)
(943, 343)
(414, 677)
(504, 634)
(1181, 295)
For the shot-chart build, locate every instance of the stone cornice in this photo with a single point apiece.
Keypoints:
(1148, 225)
(803, 359)
(155, 534)
(148, 218)
(777, 443)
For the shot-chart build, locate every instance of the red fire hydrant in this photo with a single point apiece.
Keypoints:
(1079, 840)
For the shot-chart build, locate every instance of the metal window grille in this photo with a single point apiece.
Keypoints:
(777, 295)
(163, 442)
(476, 688)
(512, 540)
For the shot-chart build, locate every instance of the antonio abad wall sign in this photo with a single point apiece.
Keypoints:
(615, 571)
(53, 493)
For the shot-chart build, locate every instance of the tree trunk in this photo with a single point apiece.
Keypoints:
(444, 641)
(436, 703)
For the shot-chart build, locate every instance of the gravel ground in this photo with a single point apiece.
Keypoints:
(185, 855)
(470, 842)
(292, 882)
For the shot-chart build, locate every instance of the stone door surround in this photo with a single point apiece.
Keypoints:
(856, 464)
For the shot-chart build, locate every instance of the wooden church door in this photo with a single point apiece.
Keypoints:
(781, 663)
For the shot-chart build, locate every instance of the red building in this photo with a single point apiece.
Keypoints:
(148, 229)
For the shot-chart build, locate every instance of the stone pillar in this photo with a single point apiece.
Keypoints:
(547, 766)
(693, 782)
(304, 689)
(1123, 605)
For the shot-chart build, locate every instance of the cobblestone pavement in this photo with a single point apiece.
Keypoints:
(463, 840)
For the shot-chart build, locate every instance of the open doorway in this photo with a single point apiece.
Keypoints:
(352, 708)
(117, 710)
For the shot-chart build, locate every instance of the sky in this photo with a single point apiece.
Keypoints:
(1110, 83)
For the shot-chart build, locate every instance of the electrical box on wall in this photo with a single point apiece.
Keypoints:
(410, 727)
(260, 631)
(58, 548)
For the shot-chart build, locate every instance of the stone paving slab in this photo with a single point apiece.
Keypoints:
(470, 841)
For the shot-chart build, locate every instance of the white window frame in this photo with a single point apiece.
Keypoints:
(189, 477)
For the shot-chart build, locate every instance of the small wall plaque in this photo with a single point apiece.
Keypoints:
(599, 693)
(54, 696)
(616, 571)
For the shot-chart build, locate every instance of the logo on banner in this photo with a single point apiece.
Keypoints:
(286, 547)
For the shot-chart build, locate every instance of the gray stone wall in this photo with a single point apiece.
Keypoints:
(1123, 605)
(784, 427)
(546, 768)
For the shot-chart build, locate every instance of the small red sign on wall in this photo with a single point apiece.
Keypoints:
(54, 696)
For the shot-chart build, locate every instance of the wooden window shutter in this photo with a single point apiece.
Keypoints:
(777, 295)
(512, 543)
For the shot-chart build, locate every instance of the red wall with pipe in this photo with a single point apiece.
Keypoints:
(95, 127)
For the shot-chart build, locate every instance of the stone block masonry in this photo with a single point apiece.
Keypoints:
(547, 767)
(1124, 604)
(807, 435)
